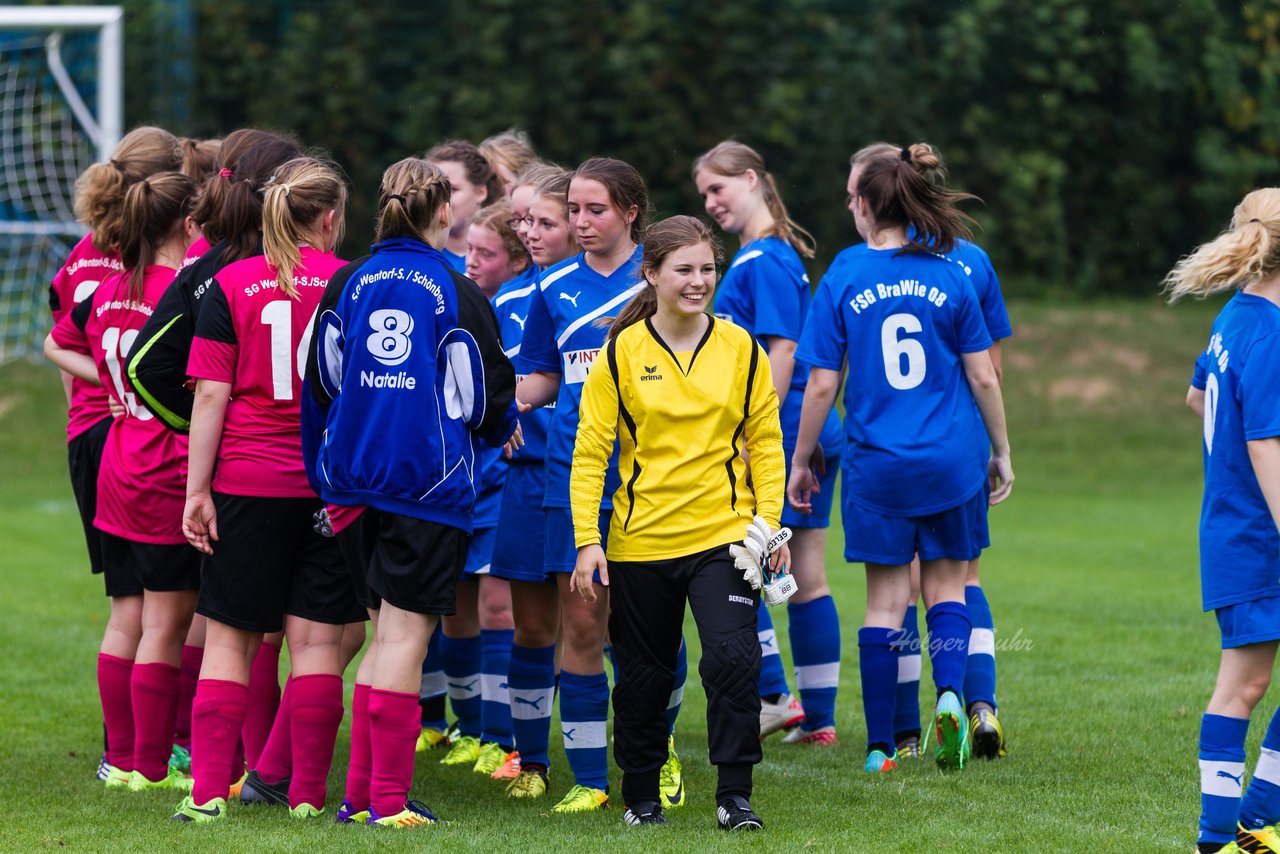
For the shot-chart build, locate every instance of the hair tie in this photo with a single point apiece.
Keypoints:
(225, 173)
(1256, 220)
(248, 182)
(906, 154)
(117, 165)
(399, 198)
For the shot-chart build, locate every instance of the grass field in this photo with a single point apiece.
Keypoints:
(1092, 578)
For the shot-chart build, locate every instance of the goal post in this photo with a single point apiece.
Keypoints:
(61, 109)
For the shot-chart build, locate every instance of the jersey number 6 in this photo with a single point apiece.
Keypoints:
(896, 348)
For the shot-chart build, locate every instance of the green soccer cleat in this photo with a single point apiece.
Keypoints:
(671, 777)
(171, 780)
(180, 759)
(490, 758)
(117, 778)
(430, 738)
(1261, 840)
(189, 810)
(465, 751)
(414, 814)
(952, 730)
(878, 762)
(305, 811)
(530, 783)
(582, 799)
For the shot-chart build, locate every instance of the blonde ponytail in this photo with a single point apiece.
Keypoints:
(731, 159)
(1245, 253)
(294, 199)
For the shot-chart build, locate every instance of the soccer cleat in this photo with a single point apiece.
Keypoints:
(431, 738)
(908, 749)
(256, 790)
(117, 778)
(348, 814)
(104, 769)
(414, 814)
(671, 777)
(735, 813)
(952, 730)
(530, 783)
(234, 791)
(877, 762)
(645, 812)
(1261, 840)
(305, 811)
(582, 799)
(822, 736)
(1216, 848)
(986, 735)
(171, 780)
(180, 759)
(189, 810)
(510, 767)
(787, 713)
(465, 751)
(491, 756)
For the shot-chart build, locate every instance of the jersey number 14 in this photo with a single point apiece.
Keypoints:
(278, 315)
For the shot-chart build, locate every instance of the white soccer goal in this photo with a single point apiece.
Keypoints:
(54, 62)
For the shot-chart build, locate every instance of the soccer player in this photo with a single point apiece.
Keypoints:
(668, 363)
(509, 153)
(607, 206)
(766, 291)
(139, 492)
(909, 324)
(99, 198)
(474, 186)
(265, 564)
(405, 346)
(495, 255)
(1240, 517)
(985, 730)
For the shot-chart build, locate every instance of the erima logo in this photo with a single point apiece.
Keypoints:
(650, 373)
(369, 379)
(573, 299)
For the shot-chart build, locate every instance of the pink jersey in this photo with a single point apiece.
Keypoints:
(254, 337)
(194, 252)
(340, 518)
(142, 482)
(76, 282)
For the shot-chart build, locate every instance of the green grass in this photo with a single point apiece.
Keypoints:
(1093, 571)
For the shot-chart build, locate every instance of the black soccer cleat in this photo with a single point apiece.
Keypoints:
(258, 791)
(645, 812)
(735, 813)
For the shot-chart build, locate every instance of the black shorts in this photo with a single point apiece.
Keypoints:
(356, 543)
(269, 561)
(411, 563)
(132, 567)
(84, 457)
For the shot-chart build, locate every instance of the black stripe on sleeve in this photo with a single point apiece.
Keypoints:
(737, 434)
(612, 350)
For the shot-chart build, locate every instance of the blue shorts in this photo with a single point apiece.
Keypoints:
(956, 534)
(519, 553)
(562, 551)
(480, 552)
(832, 442)
(1249, 622)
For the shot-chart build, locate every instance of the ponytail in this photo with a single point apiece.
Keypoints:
(899, 194)
(101, 188)
(412, 193)
(642, 306)
(301, 192)
(230, 206)
(198, 157)
(1245, 253)
(153, 208)
(731, 159)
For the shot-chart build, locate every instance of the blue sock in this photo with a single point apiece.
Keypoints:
(906, 714)
(980, 670)
(584, 712)
(815, 650)
(1221, 776)
(773, 676)
(533, 685)
(878, 662)
(495, 700)
(431, 695)
(677, 693)
(1261, 805)
(613, 663)
(461, 659)
(948, 624)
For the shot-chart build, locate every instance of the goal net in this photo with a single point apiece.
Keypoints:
(60, 110)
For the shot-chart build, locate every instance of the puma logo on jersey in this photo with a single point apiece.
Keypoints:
(573, 299)
(1238, 778)
(568, 733)
(520, 320)
(650, 373)
(464, 686)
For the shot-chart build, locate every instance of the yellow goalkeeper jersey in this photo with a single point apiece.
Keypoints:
(682, 421)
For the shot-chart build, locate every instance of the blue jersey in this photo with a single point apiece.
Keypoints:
(1199, 374)
(915, 438)
(1239, 544)
(561, 336)
(457, 262)
(512, 305)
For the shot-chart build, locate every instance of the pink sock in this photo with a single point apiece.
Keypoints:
(394, 723)
(117, 708)
(155, 704)
(264, 700)
(275, 763)
(360, 767)
(192, 658)
(317, 711)
(217, 715)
